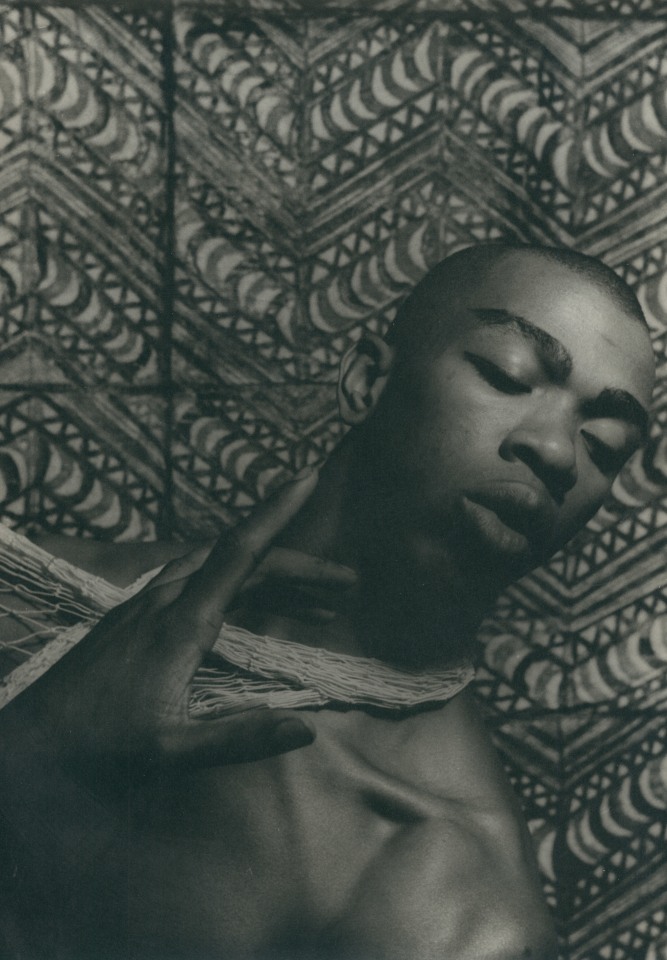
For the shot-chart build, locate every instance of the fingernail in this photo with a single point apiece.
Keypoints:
(290, 734)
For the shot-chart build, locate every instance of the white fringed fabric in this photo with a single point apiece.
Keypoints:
(57, 603)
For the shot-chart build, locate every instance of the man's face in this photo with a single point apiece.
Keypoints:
(495, 451)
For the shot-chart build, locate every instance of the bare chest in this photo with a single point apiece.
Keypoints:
(283, 859)
(259, 859)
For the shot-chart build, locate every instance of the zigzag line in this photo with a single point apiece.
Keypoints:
(509, 103)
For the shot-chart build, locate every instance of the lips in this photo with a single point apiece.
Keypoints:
(513, 518)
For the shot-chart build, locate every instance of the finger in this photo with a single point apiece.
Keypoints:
(284, 564)
(313, 615)
(210, 589)
(288, 599)
(305, 613)
(291, 589)
(177, 570)
(254, 735)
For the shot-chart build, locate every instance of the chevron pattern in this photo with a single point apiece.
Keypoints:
(202, 207)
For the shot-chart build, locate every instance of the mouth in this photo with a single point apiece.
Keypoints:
(512, 519)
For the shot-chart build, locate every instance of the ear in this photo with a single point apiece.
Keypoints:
(363, 374)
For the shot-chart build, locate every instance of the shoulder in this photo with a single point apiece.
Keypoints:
(119, 563)
(498, 906)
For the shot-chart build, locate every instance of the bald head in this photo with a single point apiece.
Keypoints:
(424, 320)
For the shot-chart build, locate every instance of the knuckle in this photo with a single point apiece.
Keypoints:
(156, 598)
(165, 738)
(243, 544)
(233, 540)
(162, 623)
(185, 617)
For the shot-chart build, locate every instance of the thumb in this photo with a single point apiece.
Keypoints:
(254, 735)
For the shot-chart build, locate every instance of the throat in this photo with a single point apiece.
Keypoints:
(404, 626)
(415, 628)
(397, 613)
(335, 635)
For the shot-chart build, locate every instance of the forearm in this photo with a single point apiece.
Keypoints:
(40, 801)
(55, 835)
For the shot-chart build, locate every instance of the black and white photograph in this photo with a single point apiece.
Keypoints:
(333, 480)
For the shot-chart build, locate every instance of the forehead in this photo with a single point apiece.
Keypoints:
(608, 347)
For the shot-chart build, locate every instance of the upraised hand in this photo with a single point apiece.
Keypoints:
(118, 703)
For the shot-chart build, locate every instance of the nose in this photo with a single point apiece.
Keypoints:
(545, 442)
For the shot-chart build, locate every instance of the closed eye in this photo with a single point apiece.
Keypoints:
(607, 459)
(498, 378)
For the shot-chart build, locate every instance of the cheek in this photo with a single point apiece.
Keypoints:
(458, 431)
(452, 387)
(462, 405)
(453, 432)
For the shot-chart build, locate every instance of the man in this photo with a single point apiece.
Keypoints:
(487, 429)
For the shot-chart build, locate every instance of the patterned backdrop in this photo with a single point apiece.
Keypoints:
(202, 205)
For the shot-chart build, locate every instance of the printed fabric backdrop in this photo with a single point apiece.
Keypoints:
(202, 205)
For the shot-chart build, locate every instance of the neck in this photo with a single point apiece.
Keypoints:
(393, 614)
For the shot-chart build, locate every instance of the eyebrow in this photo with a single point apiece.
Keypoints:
(611, 403)
(556, 358)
